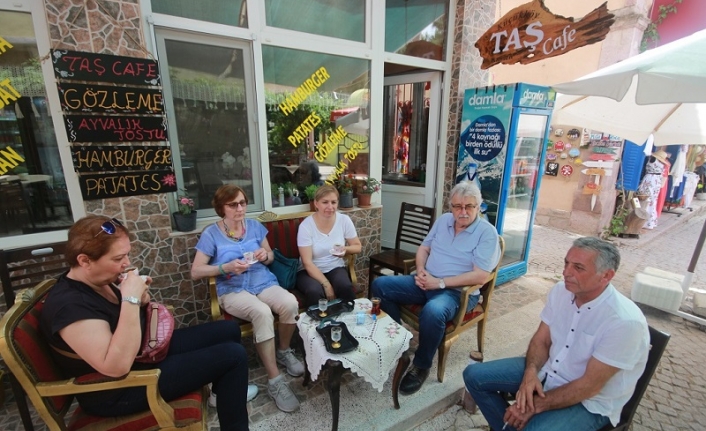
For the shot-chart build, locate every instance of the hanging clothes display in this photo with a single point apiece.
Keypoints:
(656, 170)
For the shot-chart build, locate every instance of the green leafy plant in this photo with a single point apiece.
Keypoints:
(651, 36)
(370, 186)
(310, 191)
(617, 222)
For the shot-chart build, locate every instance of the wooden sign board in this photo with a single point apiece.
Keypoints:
(121, 184)
(114, 69)
(594, 171)
(530, 33)
(105, 99)
(91, 128)
(120, 158)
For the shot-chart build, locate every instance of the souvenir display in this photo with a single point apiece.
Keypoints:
(559, 146)
(578, 161)
(574, 152)
(551, 156)
(567, 170)
(559, 132)
(573, 134)
(563, 156)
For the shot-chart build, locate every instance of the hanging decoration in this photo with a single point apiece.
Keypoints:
(552, 169)
(567, 170)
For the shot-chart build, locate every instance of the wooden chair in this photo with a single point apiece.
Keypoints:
(14, 205)
(21, 268)
(27, 355)
(658, 344)
(463, 320)
(413, 226)
(281, 234)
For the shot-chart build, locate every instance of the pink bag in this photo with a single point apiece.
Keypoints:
(158, 334)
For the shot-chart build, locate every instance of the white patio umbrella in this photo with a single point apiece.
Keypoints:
(660, 92)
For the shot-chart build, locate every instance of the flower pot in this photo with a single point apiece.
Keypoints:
(185, 222)
(312, 206)
(346, 200)
(364, 200)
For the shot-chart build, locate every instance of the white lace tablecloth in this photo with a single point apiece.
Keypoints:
(381, 343)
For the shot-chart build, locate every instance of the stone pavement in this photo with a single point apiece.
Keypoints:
(674, 400)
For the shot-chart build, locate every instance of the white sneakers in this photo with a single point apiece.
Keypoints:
(287, 359)
(252, 393)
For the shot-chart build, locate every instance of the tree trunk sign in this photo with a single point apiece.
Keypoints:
(530, 33)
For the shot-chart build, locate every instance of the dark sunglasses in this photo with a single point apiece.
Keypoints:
(109, 227)
(234, 205)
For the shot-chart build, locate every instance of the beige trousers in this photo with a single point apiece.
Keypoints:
(258, 309)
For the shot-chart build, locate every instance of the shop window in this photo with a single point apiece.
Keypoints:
(406, 126)
(33, 193)
(416, 27)
(343, 19)
(317, 110)
(209, 128)
(228, 12)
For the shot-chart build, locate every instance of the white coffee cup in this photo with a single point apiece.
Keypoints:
(249, 257)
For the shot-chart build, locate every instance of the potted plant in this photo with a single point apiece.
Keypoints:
(310, 192)
(366, 190)
(344, 184)
(21, 171)
(185, 218)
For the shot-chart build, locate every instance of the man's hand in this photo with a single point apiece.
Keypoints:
(516, 418)
(525, 394)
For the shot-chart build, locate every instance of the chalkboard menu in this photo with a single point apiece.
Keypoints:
(91, 128)
(117, 100)
(114, 69)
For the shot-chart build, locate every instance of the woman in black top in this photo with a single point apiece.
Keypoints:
(85, 313)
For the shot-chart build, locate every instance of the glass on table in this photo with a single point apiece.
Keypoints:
(323, 306)
(336, 332)
(376, 305)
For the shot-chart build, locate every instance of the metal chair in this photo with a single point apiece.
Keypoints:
(27, 355)
(463, 319)
(19, 269)
(413, 226)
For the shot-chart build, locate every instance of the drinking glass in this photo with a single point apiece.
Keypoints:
(376, 305)
(336, 336)
(323, 306)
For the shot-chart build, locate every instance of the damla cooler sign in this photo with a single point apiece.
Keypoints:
(531, 32)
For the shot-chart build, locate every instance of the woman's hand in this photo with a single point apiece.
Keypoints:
(133, 285)
(261, 255)
(236, 266)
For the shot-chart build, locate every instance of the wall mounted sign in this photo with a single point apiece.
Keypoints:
(114, 69)
(567, 170)
(102, 158)
(121, 184)
(530, 33)
(91, 128)
(552, 169)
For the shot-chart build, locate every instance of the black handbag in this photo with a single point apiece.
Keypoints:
(285, 269)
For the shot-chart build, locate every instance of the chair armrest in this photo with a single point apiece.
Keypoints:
(350, 263)
(466, 291)
(213, 297)
(162, 411)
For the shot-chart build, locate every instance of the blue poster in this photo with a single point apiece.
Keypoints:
(485, 124)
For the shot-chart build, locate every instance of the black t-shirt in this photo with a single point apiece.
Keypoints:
(70, 301)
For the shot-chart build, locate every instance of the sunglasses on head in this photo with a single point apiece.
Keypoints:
(109, 227)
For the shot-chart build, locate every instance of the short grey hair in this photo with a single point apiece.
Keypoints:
(608, 256)
(466, 188)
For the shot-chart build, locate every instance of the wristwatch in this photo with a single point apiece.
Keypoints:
(442, 285)
(131, 300)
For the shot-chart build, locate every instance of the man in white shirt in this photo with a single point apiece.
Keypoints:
(583, 362)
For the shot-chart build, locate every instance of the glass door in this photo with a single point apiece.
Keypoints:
(522, 188)
(409, 147)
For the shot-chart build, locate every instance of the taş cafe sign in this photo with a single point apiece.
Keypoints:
(531, 33)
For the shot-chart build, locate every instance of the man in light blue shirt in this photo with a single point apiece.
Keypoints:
(461, 249)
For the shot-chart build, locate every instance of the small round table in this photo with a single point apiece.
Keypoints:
(382, 345)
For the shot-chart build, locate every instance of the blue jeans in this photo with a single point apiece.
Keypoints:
(198, 355)
(440, 306)
(485, 380)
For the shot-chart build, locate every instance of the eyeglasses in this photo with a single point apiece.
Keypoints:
(468, 207)
(109, 227)
(235, 205)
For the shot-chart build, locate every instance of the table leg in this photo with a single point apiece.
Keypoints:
(336, 370)
(402, 365)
